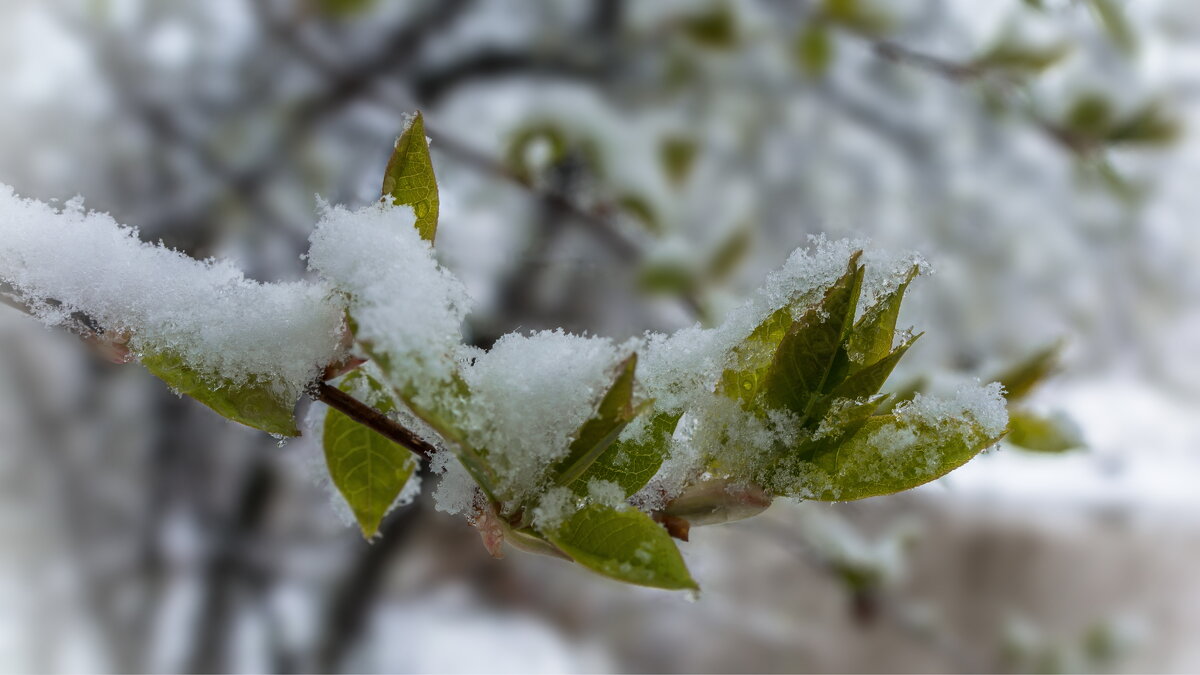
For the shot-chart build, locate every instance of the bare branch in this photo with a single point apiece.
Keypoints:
(373, 419)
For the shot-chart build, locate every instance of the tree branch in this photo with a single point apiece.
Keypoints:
(374, 420)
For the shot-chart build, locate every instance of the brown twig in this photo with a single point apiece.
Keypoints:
(373, 419)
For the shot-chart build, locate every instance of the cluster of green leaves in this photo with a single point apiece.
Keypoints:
(824, 369)
(814, 361)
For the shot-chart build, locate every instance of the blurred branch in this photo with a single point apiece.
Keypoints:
(964, 72)
(872, 601)
(434, 84)
(431, 85)
(350, 604)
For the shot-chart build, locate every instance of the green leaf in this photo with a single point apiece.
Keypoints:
(631, 464)
(640, 209)
(409, 177)
(1052, 434)
(624, 544)
(870, 379)
(344, 8)
(255, 403)
(864, 383)
(814, 49)
(542, 136)
(666, 277)
(1013, 55)
(838, 426)
(598, 433)
(907, 392)
(678, 155)
(872, 336)
(801, 370)
(890, 454)
(750, 361)
(1150, 124)
(1112, 16)
(1026, 375)
(1090, 116)
(730, 253)
(715, 28)
(368, 469)
(860, 16)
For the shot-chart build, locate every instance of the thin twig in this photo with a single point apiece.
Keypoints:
(374, 420)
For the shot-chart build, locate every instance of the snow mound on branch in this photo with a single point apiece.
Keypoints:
(221, 324)
(530, 393)
(406, 305)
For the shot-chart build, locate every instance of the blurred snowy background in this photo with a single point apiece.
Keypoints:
(612, 167)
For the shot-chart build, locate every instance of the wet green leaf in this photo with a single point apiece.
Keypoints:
(409, 177)
(255, 403)
(368, 469)
(625, 544)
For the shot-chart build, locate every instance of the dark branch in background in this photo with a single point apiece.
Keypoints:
(373, 419)
(964, 72)
(897, 53)
(429, 86)
(351, 601)
(872, 601)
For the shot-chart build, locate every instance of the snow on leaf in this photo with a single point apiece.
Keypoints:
(255, 403)
(625, 544)
(409, 178)
(599, 432)
(865, 382)
(918, 442)
(631, 463)
(750, 361)
(808, 355)
(872, 335)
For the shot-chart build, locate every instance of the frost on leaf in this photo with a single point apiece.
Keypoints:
(598, 434)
